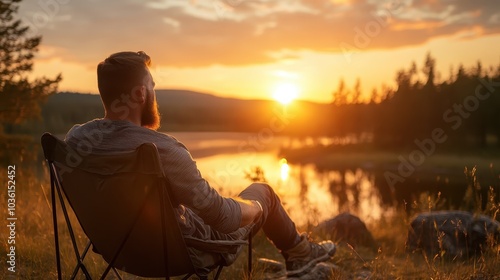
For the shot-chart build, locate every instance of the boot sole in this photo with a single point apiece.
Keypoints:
(306, 268)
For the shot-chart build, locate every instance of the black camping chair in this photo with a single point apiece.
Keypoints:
(123, 205)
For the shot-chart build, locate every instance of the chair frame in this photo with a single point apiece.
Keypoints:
(49, 143)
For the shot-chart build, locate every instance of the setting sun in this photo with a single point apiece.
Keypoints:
(285, 93)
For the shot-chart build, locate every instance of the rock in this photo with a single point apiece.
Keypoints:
(276, 271)
(322, 271)
(346, 228)
(271, 267)
(454, 233)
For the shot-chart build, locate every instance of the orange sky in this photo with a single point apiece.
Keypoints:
(247, 48)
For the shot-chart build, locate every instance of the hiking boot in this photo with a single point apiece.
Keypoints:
(304, 256)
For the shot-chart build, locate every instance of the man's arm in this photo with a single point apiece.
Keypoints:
(194, 192)
(250, 211)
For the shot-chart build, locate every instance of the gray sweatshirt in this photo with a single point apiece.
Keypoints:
(204, 207)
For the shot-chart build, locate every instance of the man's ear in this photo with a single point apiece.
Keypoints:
(139, 94)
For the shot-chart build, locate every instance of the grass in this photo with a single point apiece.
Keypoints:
(390, 260)
(35, 257)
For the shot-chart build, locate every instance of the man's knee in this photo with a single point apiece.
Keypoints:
(262, 187)
(259, 191)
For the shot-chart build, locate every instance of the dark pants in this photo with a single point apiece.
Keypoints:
(275, 222)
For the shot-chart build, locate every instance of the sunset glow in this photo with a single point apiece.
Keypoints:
(306, 45)
(285, 93)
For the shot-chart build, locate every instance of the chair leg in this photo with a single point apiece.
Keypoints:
(54, 219)
(186, 277)
(79, 259)
(219, 270)
(117, 274)
(249, 271)
(80, 264)
(68, 223)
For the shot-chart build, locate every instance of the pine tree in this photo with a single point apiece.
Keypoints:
(340, 96)
(429, 70)
(356, 96)
(20, 98)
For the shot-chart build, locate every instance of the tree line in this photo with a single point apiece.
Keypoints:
(465, 107)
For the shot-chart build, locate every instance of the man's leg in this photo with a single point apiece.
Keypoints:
(300, 254)
(275, 222)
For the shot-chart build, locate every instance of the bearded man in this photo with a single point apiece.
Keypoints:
(131, 118)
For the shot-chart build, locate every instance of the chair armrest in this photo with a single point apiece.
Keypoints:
(215, 246)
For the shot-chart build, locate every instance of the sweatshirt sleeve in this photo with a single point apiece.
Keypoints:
(190, 189)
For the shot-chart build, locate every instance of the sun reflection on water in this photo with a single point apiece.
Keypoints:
(309, 195)
(284, 169)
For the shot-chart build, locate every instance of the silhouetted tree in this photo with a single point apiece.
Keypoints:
(375, 97)
(356, 97)
(20, 98)
(460, 73)
(478, 71)
(429, 70)
(341, 94)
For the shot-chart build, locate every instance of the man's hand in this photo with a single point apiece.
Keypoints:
(251, 210)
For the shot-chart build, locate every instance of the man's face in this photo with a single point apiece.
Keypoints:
(150, 117)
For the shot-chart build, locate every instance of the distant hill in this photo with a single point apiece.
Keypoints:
(184, 97)
(184, 110)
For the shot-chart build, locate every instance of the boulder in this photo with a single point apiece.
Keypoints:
(346, 228)
(451, 233)
(274, 270)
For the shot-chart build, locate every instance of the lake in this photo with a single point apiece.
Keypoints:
(225, 158)
(312, 193)
(354, 182)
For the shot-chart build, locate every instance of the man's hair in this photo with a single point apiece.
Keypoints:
(120, 73)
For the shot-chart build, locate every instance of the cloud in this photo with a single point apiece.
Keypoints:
(199, 33)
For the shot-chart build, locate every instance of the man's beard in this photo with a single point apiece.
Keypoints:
(150, 117)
